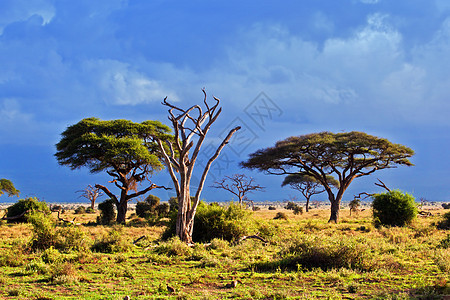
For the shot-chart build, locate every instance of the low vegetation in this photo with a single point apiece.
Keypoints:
(238, 254)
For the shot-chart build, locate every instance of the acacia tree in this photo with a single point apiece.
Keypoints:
(125, 150)
(239, 185)
(190, 128)
(308, 185)
(91, 193)
(345, 155)
(7, 186)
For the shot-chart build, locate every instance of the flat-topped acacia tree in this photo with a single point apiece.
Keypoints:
(180, 155)
(125, 150)
(308, 185)
(7, 186)
(345, 156)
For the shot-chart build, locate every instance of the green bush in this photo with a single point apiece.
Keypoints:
(445, 222)
(90, 210)
(214, 221)
(148, 208)
(112, 242)
(393, 208)
(28, 205)
(80, 210)
(107, 212)
(312, 252)
(44, 231)
(280, 215)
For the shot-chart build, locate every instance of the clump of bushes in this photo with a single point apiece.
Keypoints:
(107, 212)
(46, 235)
(272, 208)
(446, 205)
(25, 207)
(80, 210)
(214, 221)
(297, 209)
(312, 252)
(112, 242)
(280, 215)
(393, 208)
(151, 208)
(445, 222)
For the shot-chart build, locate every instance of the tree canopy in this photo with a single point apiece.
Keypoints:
(127, 151)
(7, 186)
(345, 156)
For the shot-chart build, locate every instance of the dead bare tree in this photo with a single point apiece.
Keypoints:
(239, 185)
(190, 129)
(91, 193)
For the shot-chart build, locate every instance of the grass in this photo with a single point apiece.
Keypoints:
(306, 258)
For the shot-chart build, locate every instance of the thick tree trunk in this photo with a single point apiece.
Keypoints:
(122, 211)
(307, 205)
(334, 217)
(185, 220)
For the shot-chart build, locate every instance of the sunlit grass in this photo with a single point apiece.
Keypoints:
(366, 262)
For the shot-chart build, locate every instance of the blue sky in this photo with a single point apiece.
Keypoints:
(377, 66)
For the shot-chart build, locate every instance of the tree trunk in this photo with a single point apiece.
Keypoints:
(334, 217)
(122, 211)
(185, 219)
(92, 204)
(307, 205)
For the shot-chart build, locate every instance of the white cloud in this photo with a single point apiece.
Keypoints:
(21, 10)
(119, 84)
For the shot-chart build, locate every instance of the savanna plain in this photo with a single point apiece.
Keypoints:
(298, 257)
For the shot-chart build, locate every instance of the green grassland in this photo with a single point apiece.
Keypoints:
(304, 258)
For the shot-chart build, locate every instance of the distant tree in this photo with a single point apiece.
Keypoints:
(125, 150)
(6, 186)
(345, 155)
(190, 128)
(354, 204)
(91, 193)
(308, 185)
(239, 185)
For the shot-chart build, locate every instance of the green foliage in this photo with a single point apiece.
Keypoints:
(107, 212)
(280, 216)
(214, 221)
(148, 207)
(80, 210)
(445, 222)
(112, 242)
(8, 187)
(44, 231)
(173, 203)
(99, 144)
(90, 210)
(307, 252)
(24, 207)
(445, 243)
(393, 208)
(173, 247)
(295, 207)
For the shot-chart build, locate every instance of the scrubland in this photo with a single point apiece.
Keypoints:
(304, 258)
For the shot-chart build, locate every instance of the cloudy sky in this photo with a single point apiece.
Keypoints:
(377, 66)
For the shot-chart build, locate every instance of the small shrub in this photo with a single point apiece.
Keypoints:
(90, 210)
(445, 222)
(80, 210)
(51, 255)
(280, 215)
(107, 212)
(309, 253)
(143, 209)
(163, 210)
(446, 205)
(393, 208)
(44, 231)
(272, 208)
(173, 247)
(298, 210)
(445, 243)
(26, 207)
(214, 221)
(11, 257)
(112, 242)
(63, 273)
